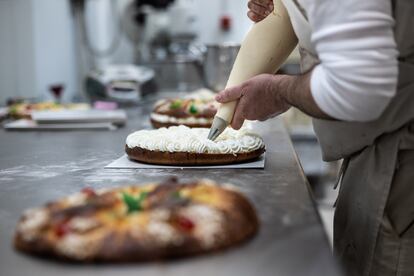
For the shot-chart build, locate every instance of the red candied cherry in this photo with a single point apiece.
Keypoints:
(185, 223)
(88, 191)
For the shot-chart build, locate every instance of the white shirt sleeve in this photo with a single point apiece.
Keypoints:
(358, 73)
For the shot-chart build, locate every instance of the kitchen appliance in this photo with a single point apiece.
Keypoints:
(267, 45)
(116, 117)
(178, 74)
(125, 84)
(202, 66)
(217, 64)
(159, 29)
(163, 34)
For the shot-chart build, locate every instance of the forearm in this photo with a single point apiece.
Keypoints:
(357, 73)
(296, 91)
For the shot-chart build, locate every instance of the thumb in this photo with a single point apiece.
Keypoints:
(229, 94)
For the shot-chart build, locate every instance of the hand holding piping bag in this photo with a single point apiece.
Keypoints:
(265, 48)
(257, 99)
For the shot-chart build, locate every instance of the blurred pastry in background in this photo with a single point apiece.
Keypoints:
(194, 110)
(4, 112)
(24, 110)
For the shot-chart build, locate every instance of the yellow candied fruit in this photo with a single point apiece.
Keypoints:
(138, 218)
(136, 190)
(202, 194)
(185, 193)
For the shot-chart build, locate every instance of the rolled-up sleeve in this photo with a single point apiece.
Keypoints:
(358, 72)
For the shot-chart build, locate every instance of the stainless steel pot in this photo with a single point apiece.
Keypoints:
(207, 66)
(178, 74)
(218, 62)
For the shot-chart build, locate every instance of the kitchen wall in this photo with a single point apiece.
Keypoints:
(209, 13)
(16, 49)
(55, 60)
(36, 48)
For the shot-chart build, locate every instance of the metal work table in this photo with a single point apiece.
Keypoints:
(36, 167)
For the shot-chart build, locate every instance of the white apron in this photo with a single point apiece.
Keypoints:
(374, 218)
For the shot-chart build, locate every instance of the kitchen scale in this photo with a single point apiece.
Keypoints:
(125, 84)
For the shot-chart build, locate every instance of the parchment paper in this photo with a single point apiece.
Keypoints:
(125, 163)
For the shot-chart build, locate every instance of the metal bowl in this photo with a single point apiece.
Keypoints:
(218, 62)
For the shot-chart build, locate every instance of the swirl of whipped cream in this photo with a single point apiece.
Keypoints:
(250, 142)
(198, 146)
(174, 147)
(184, 139)
(222, 148)
(236, 146)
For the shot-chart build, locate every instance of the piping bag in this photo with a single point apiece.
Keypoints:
(264, 49)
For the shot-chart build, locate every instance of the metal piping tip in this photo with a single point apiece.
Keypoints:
(213, 134)
(217, 128)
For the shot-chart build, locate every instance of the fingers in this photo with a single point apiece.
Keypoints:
(259, 9)
(255, 17)
(238, 118)
(229, 94)
(264, 3)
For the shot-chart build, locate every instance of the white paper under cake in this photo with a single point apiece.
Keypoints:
(125, 163)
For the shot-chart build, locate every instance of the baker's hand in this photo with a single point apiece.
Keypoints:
(258, 99)
(259, 9)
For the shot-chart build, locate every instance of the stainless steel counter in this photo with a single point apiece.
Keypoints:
(36, 167)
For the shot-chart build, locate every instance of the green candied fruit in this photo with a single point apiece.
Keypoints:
(193, 109)
(134, 204)
(176, 194)
(176, 104)
(13, 109)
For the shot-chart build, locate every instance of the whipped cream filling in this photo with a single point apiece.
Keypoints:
(194, 140)
(189, 120)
